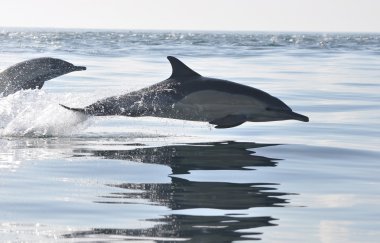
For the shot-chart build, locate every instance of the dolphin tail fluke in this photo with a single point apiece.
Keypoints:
(81, 110)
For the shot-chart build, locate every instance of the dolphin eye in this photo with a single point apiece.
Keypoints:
(277, 109)
(53, 66)
(274, 109)
(56, 65)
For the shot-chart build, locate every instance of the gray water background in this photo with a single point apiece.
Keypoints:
(65, 177)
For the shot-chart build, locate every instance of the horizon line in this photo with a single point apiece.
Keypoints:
(179, 30)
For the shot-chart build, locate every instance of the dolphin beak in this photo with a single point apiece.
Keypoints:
(297, 116)
(79, 68)
(291, 114)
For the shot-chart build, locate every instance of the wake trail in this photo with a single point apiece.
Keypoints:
(34, 113)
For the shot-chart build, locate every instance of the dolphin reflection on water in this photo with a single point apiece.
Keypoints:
(187, 95)
(182, 194)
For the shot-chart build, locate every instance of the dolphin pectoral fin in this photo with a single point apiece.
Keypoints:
(229, 121)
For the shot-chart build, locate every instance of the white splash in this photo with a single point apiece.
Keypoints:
(34, 113)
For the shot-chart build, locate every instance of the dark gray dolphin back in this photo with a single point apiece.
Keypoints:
(33, 73)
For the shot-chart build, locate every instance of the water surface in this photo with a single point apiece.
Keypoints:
(67, 177)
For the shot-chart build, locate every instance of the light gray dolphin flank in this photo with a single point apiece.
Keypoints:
(33, 73)
(187, 95)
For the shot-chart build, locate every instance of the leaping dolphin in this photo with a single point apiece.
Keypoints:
(187, 95)
(33, 73)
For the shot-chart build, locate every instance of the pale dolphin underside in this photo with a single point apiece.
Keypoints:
(187, 95)
(33, 73)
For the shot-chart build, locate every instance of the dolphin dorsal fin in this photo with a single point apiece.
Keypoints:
(179, 69)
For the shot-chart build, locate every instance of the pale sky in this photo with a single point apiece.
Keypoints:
(235, 15)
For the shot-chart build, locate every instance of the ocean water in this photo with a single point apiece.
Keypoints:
(65, 177)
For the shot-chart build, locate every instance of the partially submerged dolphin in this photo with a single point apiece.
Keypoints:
(33, 73)
(187, 95)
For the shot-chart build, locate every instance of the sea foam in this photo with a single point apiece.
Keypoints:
(35, 113)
